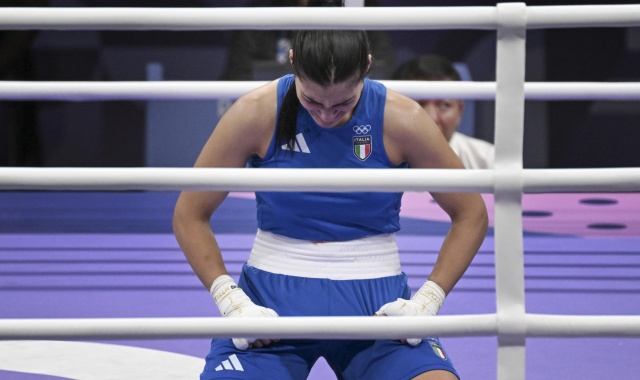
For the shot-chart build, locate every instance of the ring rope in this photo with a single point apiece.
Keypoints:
(372, 18)
(284, 327)
(325, 180)
(537, 325)
(192, 90)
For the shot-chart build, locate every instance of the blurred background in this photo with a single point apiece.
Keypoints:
(565, 134)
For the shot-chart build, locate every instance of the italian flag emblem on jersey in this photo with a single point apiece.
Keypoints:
(437, 348)
(362, 147)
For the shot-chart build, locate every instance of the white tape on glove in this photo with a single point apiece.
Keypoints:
(233, 302)
(426, 302)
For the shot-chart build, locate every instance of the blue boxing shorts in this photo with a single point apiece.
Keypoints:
(292, 296)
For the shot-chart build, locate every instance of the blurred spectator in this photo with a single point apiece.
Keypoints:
(474, 153)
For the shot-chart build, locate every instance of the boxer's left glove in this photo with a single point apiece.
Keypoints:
(426, 302)
(233, 302)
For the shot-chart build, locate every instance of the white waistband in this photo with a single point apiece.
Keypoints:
(369, 257)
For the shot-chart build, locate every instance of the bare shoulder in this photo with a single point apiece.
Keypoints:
(257, 107)
(400, 105)
(253, 116)
(245, 130)
(403, 116)
(405, 122)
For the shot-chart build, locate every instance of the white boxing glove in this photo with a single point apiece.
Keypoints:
(426, 302)
(233, 302)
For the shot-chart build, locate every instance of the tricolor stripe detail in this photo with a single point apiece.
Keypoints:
(362, 151)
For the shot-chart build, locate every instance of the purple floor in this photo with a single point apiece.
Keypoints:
(53, 268)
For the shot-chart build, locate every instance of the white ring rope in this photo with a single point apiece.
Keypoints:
(373, 18)
(537, 325)
(284, 327)
(240, 179)
(192, 90)
(326, 180)
(552, 326)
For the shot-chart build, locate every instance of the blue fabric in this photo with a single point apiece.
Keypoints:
(350, 359)
(331, 216)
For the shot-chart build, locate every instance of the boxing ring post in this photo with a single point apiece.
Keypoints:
(509, 135)
(508, 181)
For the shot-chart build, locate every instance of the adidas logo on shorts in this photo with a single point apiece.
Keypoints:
(233, 364)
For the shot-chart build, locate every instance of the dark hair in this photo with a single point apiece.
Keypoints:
(426, 67)
(325, 57)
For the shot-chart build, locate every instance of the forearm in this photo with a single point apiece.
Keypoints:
(459, 248)
(203, 254)
(201, 250)
(457, 252)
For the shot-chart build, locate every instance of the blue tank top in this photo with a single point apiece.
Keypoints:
(357, 144)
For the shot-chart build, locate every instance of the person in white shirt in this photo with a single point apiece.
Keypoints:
(447, 113)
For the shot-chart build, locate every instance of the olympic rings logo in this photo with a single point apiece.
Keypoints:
(361, 129)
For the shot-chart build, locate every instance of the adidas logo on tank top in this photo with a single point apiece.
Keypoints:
(299, 145)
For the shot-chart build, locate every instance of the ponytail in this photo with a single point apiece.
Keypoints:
(286, 126)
